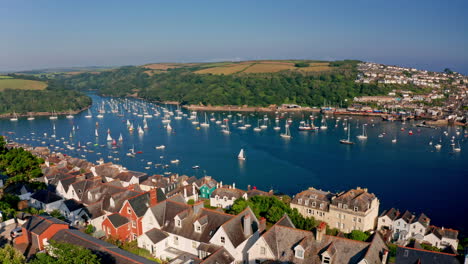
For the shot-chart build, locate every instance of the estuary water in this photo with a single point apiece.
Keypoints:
(406, 174)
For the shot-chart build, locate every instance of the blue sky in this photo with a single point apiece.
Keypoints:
(425, 34)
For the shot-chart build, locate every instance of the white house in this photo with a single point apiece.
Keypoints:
(75, 212)
(441, 237)
(225, 197)
(46, 200)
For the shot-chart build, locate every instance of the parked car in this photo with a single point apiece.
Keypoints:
(17, 232)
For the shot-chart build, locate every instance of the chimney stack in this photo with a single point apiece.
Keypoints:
(153, 196)
(247, 225)
(320, 231)
(185, 192)
(197, 206)
(262, 224)
(233, 185)
(221, 184)
(248, 187)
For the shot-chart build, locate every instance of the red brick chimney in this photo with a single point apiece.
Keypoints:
(320, 231)
(153, 196)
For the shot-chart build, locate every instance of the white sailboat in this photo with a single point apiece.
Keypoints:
(109, 138)
(145, 124)
(205, 124)
(241, 155)
(226, 128)
(14, 118)
(457, 148)
(348, 140)
(168, 127)
(30, 118)
(70, 116)
(324, 124)
(257, 129)
(89, 115)
(287, 133)
(364, 134)
(120, 138)
(96, 132)
(54, 116)
(140, 130)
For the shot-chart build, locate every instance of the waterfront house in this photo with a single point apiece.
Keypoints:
(225, 197)
(441, 237)
(356, 209)
(206, 186)
(283, 243)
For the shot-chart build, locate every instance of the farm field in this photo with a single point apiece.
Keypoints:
(10, 83)
(262, 67)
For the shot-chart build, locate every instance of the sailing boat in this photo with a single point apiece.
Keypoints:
(54, 116)
(277, 124)
(226, 128)
(109, 138)
(205, 124)
(89, 114)
(287, 133)
(145, 124)
(257, 129)
(168, 127)
(96, 132)
(70, 116)
(120, 138)
(347, 141)
(14, 118)
(30, 118)
(457, 148)
(140, 130)
(364, 134)
(324, 124)
(132, 152)
(241, 155)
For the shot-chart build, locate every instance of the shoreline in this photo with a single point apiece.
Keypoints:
(46, 113)
(249, 108)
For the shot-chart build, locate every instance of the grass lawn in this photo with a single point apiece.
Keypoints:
(21, 84)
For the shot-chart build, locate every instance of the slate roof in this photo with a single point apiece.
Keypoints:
(424, 220)
(215, 220)
(227, 192)
(46, 197)
(359, 198)
(282, 240)
(156, 235)
(392, 213)
(165, 211)
(442, 232)
(313, 195)
(73, 205)
(207, 180)
(405, 255)
(38, 224)
(234, 227)
(285, 221)
(221, 256)
(140, 204)
(68, 181)
(407, 216)
(117, 220)
(108, 253)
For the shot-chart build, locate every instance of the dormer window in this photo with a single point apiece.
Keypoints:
(314, 204)
(326, 260)
(225, 198)
(178, 223)
(321, 206)
(355, 208)
(340, 205)
(306, 202)
(223, 239)
(299, 201)
(198, 228)
(299, 253)
(345, 206)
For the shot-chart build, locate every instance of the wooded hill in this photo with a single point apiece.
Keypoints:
(258, 83)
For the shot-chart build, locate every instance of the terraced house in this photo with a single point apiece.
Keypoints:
(356, 209)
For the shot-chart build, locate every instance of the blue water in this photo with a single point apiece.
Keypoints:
(409, 174)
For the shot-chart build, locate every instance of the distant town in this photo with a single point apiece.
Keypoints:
(181, 219)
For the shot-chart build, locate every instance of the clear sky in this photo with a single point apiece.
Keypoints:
(426, 34)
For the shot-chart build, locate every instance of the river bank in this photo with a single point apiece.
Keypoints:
(10, 115)
(248, 108)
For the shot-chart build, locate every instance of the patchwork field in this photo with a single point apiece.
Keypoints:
(21, 84)
(262, 67)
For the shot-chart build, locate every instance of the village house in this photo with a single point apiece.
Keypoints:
(356, 209)
(406, 255)
(75, 212)
(283, 243)
(441, 237)
(193, 229)
(206, 186)
(225, 197)
(46, 200)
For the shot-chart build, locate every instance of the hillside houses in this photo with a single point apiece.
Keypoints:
(405, 226)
